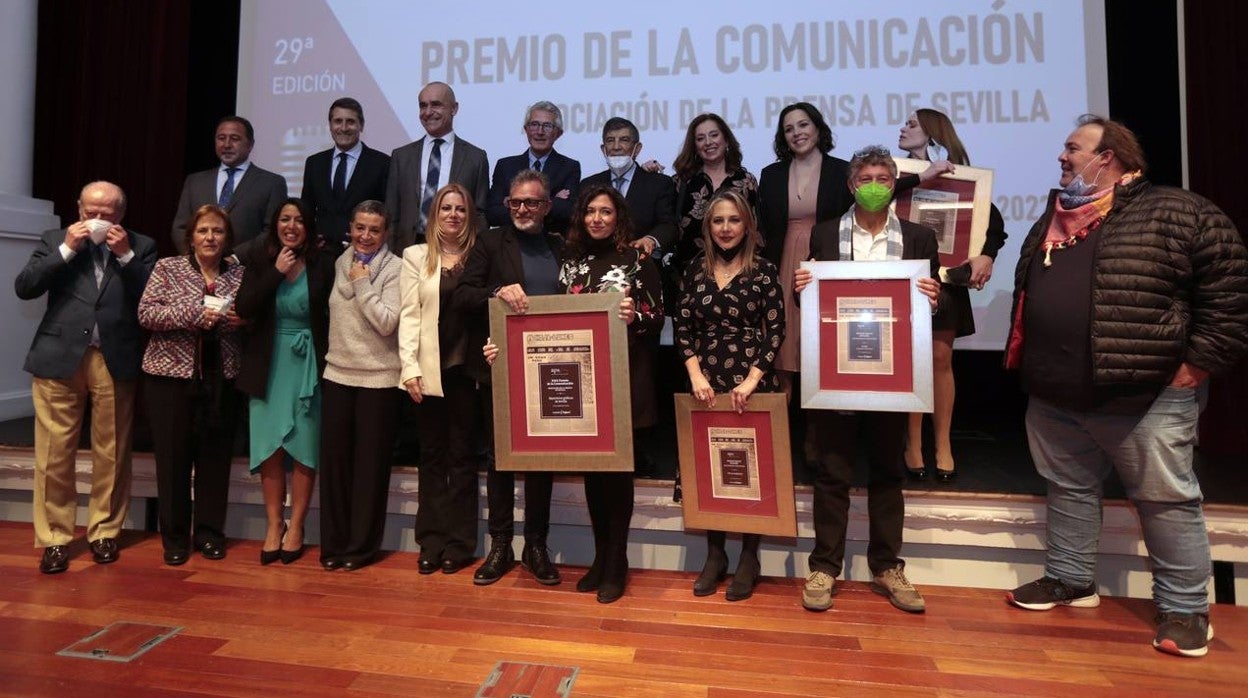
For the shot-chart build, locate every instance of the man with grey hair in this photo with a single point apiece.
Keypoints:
(420, 168)
(543, 125)
(88, 347)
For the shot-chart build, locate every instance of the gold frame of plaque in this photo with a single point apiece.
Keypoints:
(752, 489)
(561, 385)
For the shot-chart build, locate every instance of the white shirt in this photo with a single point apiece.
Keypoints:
(353, 159)
(222, 176)
(868, 247)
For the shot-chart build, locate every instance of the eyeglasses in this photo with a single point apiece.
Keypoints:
(542, 126)
(531, 204)
(871, 150)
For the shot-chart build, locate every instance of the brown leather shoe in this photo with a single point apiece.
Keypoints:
(105, 550)
(55, 559)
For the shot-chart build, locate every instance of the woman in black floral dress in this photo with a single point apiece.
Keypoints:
(729, 327)
(598, 259)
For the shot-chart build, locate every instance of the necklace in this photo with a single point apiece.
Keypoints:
(803, 173)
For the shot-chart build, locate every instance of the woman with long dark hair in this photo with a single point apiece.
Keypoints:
(285, 296)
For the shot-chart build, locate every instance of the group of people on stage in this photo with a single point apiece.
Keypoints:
(358, 312)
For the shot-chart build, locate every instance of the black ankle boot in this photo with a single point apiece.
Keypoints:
(716, 567)
(748, 567)
(498, 562)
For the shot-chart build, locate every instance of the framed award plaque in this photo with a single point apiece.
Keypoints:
(956, 205)
(561, 391)
(867, 337)
(735, 468)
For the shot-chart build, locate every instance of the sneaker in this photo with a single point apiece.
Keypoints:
(1047, 592)
(900, 592)
(1183, 634)
(817, 595)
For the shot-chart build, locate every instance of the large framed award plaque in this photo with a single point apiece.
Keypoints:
(735, 468)
(867, 337)
(956, 205)
(561, 392)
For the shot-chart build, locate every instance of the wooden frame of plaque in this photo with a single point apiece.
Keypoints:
(735, 469)
(561, 385)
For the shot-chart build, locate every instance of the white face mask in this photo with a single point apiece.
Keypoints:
(936, 152)
(619, 164)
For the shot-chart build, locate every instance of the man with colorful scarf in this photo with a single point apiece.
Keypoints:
(1127, 296)
(868, 231)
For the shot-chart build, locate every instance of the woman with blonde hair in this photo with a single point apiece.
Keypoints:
(433, 346)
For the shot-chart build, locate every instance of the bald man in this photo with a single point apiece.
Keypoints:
(420, 168)
(88, 347)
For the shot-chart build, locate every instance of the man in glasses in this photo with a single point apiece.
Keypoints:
(420, 168)
(543, 125)
(512, 262)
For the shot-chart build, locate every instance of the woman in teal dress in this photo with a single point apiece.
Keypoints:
(285, 298)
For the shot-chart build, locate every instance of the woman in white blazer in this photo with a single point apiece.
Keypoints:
(433, 348)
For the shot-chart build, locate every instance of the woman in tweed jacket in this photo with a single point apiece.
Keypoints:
(189, 366)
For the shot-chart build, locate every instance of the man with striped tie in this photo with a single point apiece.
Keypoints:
(420, 168)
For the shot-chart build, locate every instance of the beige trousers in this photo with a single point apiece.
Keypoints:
(59, 409)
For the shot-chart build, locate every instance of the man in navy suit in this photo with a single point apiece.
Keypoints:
(543, 125)
(651, 196)
(88, 347)
(336, 180)
(247, 192)
(420, 168)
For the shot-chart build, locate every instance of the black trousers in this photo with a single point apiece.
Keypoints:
(609, 497)
(193, 440)
(837, 436)
(500, 491)
(446, 517)
(357, 442)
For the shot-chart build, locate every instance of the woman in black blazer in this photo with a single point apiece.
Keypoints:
(804, 187)
(285, 297)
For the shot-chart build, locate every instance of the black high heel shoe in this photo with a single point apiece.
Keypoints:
(289, 556)
(268, 557)
(945, 477)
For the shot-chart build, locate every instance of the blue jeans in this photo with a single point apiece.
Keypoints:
(1152, 453)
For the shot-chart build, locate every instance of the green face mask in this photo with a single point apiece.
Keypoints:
(873, 196)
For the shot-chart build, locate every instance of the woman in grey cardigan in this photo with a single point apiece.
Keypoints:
(359, 412)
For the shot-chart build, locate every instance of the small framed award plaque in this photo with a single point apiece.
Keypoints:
(956, 205)
(561, 391)
(735, 468)
(867, 337)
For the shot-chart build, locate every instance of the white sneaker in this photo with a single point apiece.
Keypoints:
(817, 594)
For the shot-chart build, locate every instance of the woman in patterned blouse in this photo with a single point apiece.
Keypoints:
(599, 259)
(190, 364)
(729, 328)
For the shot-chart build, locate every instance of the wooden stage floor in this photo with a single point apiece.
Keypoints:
(385, 630)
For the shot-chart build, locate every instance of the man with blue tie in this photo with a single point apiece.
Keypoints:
(247, 192)
(420, 168)
(543, 125)
(336, 180)
(88, 348)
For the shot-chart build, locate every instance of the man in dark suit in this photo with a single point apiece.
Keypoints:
(543, 124)
(419, 169)
(868, 231)
(651, 196)
(248, 193)
(88, 347)
(511, 262)
(336, 180)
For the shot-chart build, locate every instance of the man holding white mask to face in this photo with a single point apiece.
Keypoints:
(88, 347)
(651, 196)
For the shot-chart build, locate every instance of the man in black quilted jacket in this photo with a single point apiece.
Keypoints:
(1127, 296)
